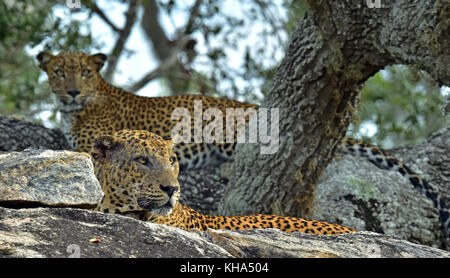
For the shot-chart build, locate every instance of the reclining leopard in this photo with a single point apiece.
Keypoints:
(138, 172)
(90, 106)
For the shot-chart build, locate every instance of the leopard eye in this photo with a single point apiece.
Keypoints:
(144, 161)
(59, 73)
(172, 160)
(85, 72)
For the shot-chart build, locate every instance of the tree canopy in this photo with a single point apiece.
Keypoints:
(220, 48)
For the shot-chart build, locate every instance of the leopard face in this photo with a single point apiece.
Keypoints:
(142, 173)
(73, 77)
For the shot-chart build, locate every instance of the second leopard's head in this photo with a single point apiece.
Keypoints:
(73, 76)
(138, 172)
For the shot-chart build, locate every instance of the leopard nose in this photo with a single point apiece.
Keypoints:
(73, 93)
(169, 189)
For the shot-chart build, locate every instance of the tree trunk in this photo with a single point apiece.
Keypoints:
(334, 50)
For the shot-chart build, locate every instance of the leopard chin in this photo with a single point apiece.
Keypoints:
(65, 106)
(164, 210)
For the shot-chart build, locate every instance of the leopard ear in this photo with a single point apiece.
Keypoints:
(173, 140)
(103, 146)
(169, 142)
(44, 57)
(99, 60)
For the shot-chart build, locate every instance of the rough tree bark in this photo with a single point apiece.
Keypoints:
(334, 50)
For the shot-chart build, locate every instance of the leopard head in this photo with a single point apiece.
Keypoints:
(138, 171)
(73, 77)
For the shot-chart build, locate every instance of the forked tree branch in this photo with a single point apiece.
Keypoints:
(95, 9)
(166, 50)
(163, 67)
(124, 33)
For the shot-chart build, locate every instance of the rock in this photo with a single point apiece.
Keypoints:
(67, 232)
(371, 199)
(354, 193)
(272, 243)
(17, 135)
(430, 159)
(202, 190)
(48, 178)
(49, 232)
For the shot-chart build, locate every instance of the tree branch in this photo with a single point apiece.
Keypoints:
(166, 50)
(192, 16)
(95, 9)
(163, 67)
(124, 33)
(154, 31)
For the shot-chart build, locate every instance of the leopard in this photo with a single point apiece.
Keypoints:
(138, 172)
(90, 107)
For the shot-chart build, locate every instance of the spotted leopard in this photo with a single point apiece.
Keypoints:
(138, 172)
(90, 107)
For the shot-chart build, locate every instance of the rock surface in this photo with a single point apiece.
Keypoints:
(430, 159)
(275, 244)
(353, 192)
(382, 202)
(17, 134)
(48, 178)
(68, 232)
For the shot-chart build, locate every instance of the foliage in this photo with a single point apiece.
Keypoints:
(20, 92)
(239, 45)
(236, 49)
(21, 22)
(405, 106)
(26, 24)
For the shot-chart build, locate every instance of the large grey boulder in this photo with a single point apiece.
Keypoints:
(48, 178)
(272, 243)
(353, 192)
(68, 232)
(17, 134)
